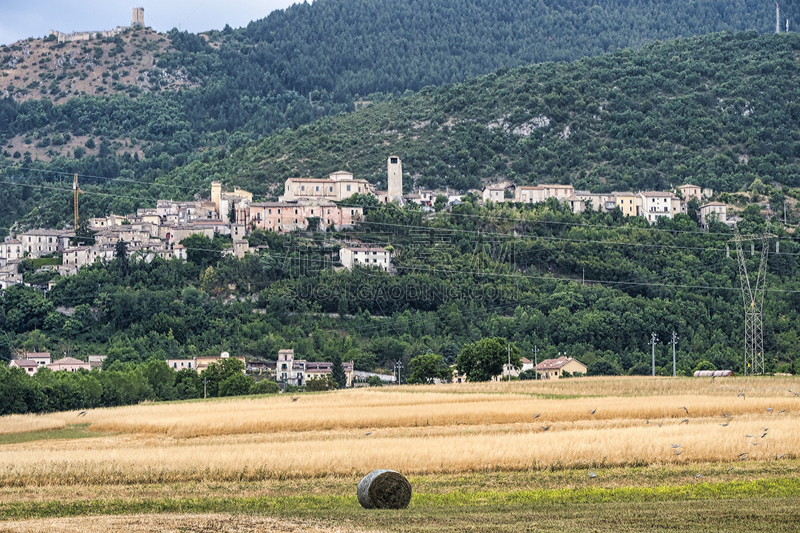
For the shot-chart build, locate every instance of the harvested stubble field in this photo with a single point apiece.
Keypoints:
(480, 446)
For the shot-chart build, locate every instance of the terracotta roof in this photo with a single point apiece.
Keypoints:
(688, 185)
(37, 354)
(715, 204)
(68, 361)
(23, 363)
(555, 364)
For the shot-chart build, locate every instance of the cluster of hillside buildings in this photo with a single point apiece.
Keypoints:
(307, 203)
(650, 205)
(33, 361)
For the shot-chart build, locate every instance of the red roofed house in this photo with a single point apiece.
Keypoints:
(69, 364)
(30, 367)
(554, 368)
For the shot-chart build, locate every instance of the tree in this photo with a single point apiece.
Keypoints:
(337, 372)
(83, 233)
(374, 381)
(221, 370)
(5, 348)
(201, 250)
(265, 386)
(235, 385)
(704, 365)
(601, 368)
(321, 383)
(36, 341)
(428, 367)
(121, 256)
(482, 360)
(440, 203)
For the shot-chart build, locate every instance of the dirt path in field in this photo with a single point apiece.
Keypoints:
(169, 523)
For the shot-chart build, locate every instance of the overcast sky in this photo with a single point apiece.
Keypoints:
(20, 19)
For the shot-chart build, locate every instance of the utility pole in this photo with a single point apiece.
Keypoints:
(535, 362)
(674, 342)
(753, 298)
(508, 368)
(75, 191)
(653, 341)
(205, 388)
(399, 366)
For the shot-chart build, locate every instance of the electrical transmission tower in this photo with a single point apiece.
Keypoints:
(753, 297)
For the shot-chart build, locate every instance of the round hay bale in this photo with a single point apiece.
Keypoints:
(384, 489)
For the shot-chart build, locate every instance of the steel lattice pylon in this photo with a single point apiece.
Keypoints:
(753, 297)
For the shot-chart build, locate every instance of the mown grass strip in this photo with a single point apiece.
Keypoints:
(72, 431)
(760, 489)
(765, 488)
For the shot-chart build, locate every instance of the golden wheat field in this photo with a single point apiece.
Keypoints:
(417, 430)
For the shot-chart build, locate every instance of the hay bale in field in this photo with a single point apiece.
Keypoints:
(384, 489)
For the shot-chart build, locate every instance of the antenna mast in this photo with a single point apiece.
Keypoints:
(753, 297)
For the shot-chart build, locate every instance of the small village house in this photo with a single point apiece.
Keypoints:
(555, 368)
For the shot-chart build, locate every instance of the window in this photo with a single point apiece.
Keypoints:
(270, 211)
(295, 211)
(393, 160)
(317, 188)
(279, 211)
(331, 189)
(303, 188)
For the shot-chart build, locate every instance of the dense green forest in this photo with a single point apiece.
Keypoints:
(315, 60)
(591, 285)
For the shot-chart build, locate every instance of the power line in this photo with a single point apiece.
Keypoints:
(92, 177)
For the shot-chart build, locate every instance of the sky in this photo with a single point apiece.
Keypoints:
(20, 19)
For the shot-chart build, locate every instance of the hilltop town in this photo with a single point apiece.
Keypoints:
(308, 204)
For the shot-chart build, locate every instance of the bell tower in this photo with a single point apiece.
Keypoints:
(394, 171)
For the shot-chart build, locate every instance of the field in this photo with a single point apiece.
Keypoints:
(590, 454)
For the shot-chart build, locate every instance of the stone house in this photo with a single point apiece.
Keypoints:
(628, 202)
(689, 191)
(717, 209)
(368, 256)
(338, 186)
(30, 367)
(39, 242)
(657, 204)
(298, 371)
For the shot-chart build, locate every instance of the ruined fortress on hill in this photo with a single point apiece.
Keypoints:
(137, 21)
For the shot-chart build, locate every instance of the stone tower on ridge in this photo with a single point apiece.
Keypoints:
(394, 171)
(137, 21)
